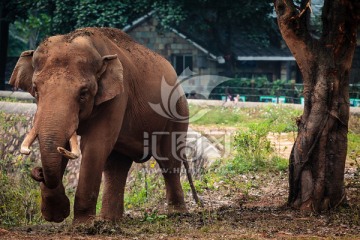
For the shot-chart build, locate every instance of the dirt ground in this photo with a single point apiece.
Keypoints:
(229, 213)
(261, 213)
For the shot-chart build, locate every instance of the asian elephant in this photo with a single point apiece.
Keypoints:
(98, 83)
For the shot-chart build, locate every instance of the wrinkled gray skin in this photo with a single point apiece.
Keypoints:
(98, 82)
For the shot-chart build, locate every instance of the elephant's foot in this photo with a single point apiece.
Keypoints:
(177, 208)
(111, 217)
(83, 220)
(84, 210)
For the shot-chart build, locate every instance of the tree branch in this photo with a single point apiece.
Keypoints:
(295, 34)
(340, 34)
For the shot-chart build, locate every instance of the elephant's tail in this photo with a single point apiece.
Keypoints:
(193, 190)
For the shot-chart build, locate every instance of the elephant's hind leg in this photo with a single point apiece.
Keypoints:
(115, 174)
(171, 169)
(174, 192)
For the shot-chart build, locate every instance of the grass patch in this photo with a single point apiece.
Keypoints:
(144, 189)
(217, 115)
(281, 117)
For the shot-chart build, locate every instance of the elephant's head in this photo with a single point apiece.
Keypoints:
(69, 77)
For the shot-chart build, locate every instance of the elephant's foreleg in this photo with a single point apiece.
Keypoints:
(115, 174)
(98, 138)
(87, 191)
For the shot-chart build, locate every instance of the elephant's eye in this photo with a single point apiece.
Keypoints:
(83, 95)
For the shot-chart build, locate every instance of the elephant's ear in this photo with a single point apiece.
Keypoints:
(110, 83)
(23, 72)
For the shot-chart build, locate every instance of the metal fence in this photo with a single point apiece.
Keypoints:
(275, 93)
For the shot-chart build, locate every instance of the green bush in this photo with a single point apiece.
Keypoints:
(19, 194)
(254, 152)
(252, 149)
(19, 199)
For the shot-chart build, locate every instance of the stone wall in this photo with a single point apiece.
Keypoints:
(15, 122)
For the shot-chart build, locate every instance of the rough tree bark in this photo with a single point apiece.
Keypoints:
(317, 161)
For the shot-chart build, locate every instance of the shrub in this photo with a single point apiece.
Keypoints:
(19, 199)
(20, 195)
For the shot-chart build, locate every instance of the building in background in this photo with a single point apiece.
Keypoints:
(200, 56)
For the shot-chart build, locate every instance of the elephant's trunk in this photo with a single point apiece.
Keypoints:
(51, 160)
(55, 129)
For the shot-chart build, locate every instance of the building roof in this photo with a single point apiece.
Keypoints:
(147, 16)
(244, 49)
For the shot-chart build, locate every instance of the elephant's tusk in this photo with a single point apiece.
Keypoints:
(28, 141)
(67, 154)
(74, 146)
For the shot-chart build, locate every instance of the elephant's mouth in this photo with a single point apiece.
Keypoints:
(74, 152)
(37, 173)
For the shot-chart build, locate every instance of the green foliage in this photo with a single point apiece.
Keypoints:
(252, 150)
(169, 13)
(152, 216)
(12, 10)
(63, 16)
(218, 115)
(144, 188)
(107, 14)
(223, 20)
(71, 14)
(281, 119)
(353, 143)
(27, 33)
(19, 199)
(20, 195)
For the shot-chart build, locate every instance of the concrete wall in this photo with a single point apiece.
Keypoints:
(15, 122)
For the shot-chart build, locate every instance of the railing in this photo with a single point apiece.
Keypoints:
(289, 93)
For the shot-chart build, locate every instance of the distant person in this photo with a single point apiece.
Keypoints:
(237, 98)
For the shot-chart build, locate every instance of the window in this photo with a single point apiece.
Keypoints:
(181, 62)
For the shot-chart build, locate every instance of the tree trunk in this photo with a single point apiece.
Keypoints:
(4, 40)
(317, 161)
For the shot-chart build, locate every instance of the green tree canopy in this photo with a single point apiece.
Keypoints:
(218, 22)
